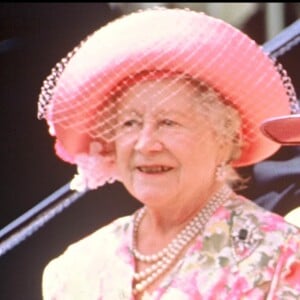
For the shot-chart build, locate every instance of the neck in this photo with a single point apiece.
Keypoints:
(165, 220)
(156, 229)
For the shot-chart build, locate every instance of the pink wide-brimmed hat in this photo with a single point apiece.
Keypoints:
(75, 96)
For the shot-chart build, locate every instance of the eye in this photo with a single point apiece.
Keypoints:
(130, 123)
(168, 122)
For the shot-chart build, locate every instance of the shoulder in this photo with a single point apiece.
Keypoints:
(246, 214)
(82, 257)
(265, 241)
(249, 229)
(109, 235)
(255, 234)
(274, 246)
(265, 247)
(110, 231)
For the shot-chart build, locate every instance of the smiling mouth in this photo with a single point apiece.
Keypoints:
(154, 169)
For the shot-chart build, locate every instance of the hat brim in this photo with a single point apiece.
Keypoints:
(216, 53)
(284, 130)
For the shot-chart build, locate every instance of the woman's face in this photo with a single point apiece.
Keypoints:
(166, 150)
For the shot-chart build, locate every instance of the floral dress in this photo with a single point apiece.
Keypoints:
(245, 252)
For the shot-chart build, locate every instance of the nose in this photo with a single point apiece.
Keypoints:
(148, 140)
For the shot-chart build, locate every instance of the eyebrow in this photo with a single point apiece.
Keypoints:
(173, 113)
(126, 112)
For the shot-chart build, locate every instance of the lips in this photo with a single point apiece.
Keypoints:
(154, 169)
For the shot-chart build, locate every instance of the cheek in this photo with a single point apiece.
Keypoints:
(120, 155)
(201, 158)
(123, 157)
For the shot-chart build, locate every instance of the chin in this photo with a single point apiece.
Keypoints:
(150, 195)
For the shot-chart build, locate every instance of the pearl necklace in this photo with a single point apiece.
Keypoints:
(163, 260)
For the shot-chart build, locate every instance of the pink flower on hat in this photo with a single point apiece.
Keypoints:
(94, 169)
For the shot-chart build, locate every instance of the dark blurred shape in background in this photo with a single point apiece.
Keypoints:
(33, 37)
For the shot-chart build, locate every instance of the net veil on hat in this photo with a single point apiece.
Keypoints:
(76, 97)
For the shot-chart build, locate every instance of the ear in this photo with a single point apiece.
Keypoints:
(225, 152)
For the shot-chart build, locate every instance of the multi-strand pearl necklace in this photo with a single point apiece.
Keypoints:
(164, 259)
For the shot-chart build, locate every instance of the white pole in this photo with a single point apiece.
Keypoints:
(274, 21)
(214, 9)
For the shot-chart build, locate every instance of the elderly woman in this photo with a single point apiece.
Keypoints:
(169, 102)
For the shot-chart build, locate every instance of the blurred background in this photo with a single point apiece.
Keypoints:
(33, 37)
